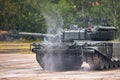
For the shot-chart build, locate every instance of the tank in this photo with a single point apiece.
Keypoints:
(69, 49)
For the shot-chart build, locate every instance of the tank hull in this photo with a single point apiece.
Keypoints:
(66, 57)
(59, 59)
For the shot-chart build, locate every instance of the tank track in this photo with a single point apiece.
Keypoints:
(98, 61)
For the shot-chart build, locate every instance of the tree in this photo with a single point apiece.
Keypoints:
(8, 14)
(45, 15)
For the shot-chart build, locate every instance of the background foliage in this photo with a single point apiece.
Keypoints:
(27, 15)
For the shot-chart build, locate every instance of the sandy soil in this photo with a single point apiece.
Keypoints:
(25, 67)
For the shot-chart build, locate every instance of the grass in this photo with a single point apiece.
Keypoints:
(15, 47)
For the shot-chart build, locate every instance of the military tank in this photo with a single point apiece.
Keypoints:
(69, 49)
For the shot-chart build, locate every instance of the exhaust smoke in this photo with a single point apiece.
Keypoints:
(56, 56)
(55, 23)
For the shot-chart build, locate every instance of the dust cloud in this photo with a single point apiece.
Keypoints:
(54, 26)
(85, 66)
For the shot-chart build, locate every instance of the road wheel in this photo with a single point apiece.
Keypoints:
(102, 65)
(107, 66)
(115, 64)
(118, 63)
(111, 65)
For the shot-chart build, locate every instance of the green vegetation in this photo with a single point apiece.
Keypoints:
(30, 15)
(13, 47)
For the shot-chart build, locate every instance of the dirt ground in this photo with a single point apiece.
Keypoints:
(25, 67)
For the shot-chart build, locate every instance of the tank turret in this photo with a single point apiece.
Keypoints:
(98, 33)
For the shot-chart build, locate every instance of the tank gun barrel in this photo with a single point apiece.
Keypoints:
(36, 34)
